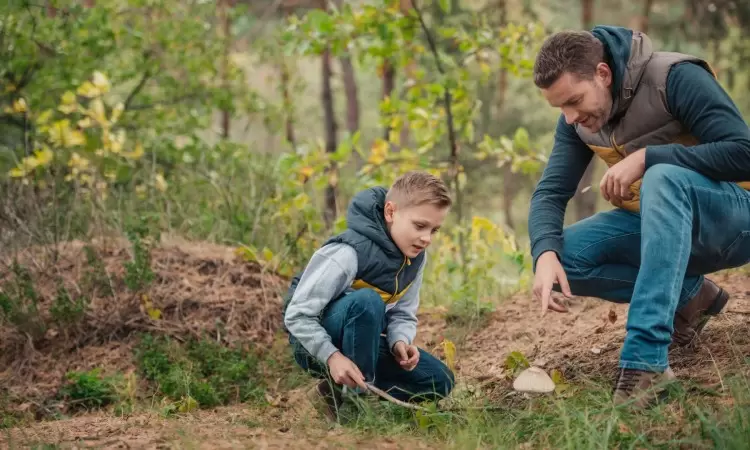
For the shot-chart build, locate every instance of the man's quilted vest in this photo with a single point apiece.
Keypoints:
(640, 116)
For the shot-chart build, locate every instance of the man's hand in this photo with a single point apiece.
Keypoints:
(406, 355)
(615, 184)
(344, 371)
(548, 271)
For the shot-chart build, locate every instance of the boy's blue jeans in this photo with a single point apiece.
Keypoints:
(355, 322)
(689, 226)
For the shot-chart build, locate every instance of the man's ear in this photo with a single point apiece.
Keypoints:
(388, 211)
(604, 73)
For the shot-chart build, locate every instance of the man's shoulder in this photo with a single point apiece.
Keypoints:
(664, 65)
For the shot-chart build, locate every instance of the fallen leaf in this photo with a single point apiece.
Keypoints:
(596, 350)
(612, 315)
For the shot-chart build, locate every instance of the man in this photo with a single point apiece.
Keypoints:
(678, 153)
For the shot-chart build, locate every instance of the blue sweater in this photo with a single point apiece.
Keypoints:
(694, 98)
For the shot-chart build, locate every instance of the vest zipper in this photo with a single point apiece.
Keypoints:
(395, 291)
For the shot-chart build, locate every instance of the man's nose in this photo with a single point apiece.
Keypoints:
(571, 116)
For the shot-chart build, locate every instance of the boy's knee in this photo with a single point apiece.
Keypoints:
(446, 383)
(369, 303)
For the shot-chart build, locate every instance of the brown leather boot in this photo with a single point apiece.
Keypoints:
(690, 320)
(640, 388)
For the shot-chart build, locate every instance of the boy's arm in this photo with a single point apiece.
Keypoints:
(402, 318)
(330, 272)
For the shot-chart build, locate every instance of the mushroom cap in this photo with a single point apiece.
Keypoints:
(534, 379)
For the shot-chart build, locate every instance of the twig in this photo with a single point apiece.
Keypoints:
(144, 79)
(382, 394)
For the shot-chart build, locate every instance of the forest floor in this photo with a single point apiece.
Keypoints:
(199, 287)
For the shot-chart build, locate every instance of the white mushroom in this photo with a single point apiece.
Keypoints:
(534, 379)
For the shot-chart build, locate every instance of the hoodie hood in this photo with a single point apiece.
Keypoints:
(627, 52)
(366, 216)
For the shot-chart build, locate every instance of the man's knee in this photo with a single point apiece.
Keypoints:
(368, 303)
(666, 178)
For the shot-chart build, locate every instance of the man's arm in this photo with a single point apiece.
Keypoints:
(402, 318)
(330, 272)
(567, 163)
(699, 102)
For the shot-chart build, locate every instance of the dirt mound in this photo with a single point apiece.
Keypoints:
(196, 289)
(585, 343)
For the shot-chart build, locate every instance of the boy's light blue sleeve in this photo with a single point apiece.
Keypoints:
(329, 273)
(402, 317)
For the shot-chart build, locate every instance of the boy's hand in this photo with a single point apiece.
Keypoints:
(344, 371)
(406, 355)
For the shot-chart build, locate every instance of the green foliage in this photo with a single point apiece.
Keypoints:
(19, 302)
(65, 310)
(200, 373)
(89, 390)
(95, 278)
(138, 272)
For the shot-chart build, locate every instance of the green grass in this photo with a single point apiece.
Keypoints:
(582, 419)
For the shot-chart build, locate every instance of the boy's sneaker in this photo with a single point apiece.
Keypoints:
(326, 399)
(690, 320)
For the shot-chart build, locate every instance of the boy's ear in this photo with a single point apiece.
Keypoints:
(388, 210)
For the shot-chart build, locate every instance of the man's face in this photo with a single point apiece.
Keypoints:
(585, 102)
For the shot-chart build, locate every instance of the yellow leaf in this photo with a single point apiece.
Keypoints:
(307, 172)
(62, 135)
(267, 254)
(137, 153)
(117, 112)
(44, 156)
(97, 111)
(160, 182)
(44, 117)
(19, 106)
(68, 98)
(140, 191)
(87, 89)
(17, 172)
(187, 404)
(449, 348)
(101, 82)
(85, 122)
(154, 313)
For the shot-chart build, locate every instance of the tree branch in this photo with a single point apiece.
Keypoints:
(144, 79)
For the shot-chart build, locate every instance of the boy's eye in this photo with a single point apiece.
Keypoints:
(420, 226)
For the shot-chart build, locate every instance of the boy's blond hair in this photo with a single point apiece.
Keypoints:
(417, 188)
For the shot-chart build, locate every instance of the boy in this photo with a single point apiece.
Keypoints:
(351, 314)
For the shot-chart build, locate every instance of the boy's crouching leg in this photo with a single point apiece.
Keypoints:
(430, 380)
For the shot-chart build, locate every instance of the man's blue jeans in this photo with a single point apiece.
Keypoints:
(355, 322)
(688, 226)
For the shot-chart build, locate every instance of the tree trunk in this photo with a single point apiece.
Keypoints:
(585, 204)
(331, 144)
(511, 181)
(352, 101)
(288, 104)
(224, 6)
(389, 82)
(647, 4)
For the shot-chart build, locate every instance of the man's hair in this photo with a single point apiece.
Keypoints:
(417, 188)
(575, 52)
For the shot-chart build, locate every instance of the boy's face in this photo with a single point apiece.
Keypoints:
(412, 228)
